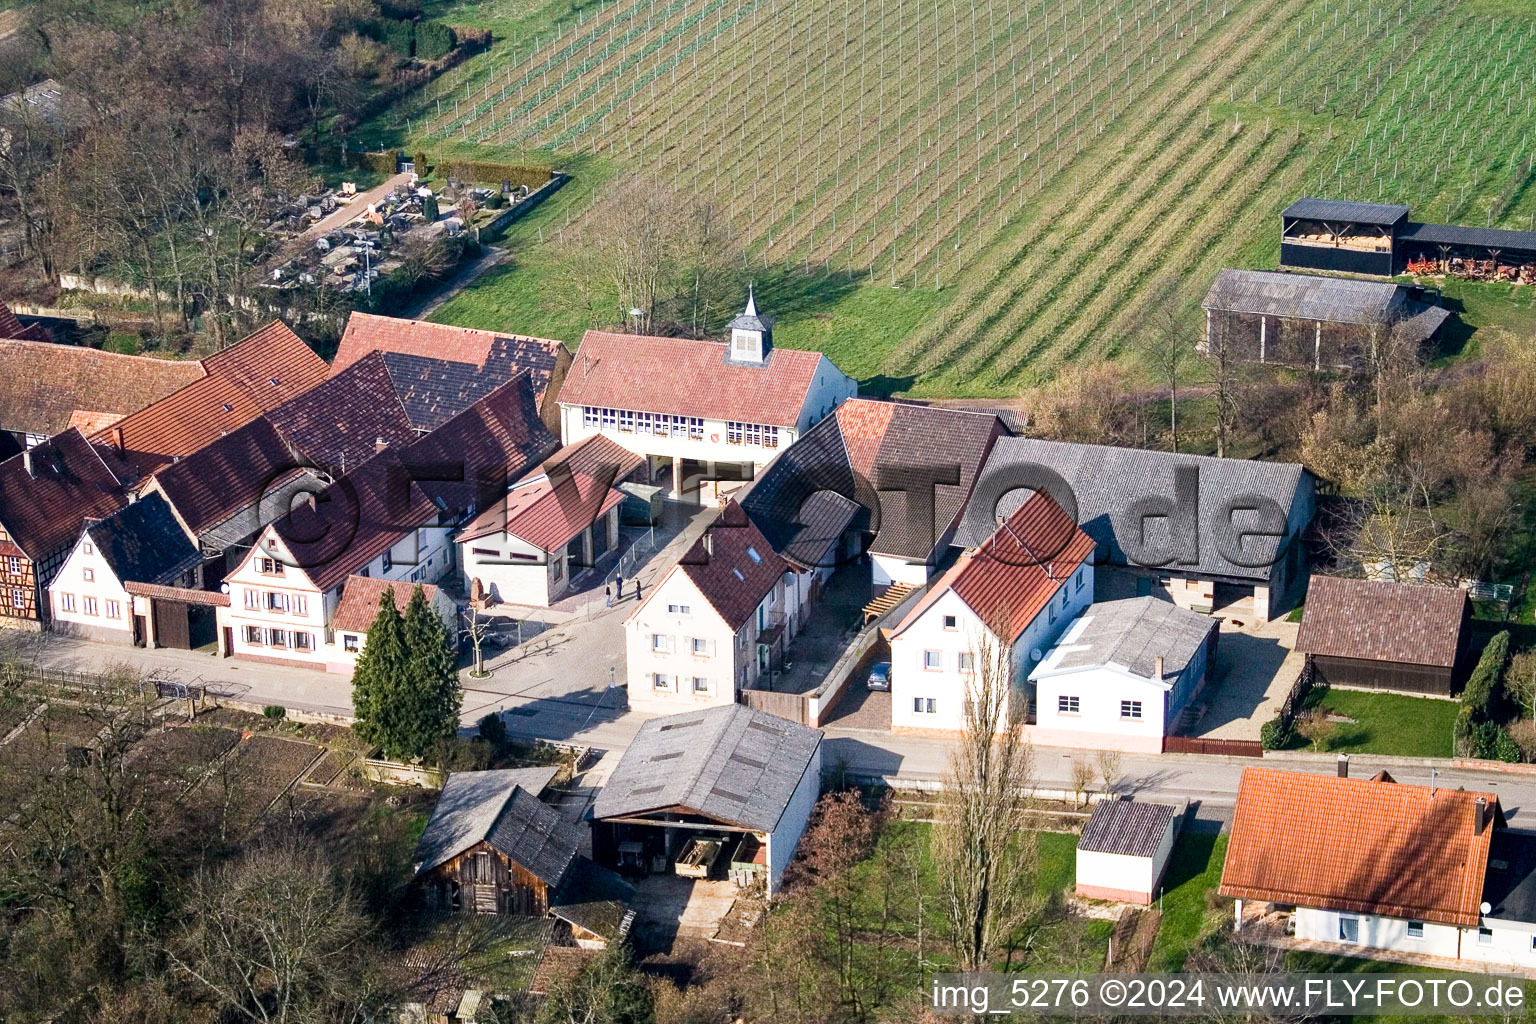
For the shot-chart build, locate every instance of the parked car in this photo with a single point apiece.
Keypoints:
(879, 676)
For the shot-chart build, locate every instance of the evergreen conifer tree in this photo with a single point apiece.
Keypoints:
(378, 677)
(432, 678)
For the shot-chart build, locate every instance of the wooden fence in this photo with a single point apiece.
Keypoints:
(785, 705)
(1194, 745)
(1298, 695)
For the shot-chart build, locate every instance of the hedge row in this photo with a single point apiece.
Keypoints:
(382, 163)
(486, 172)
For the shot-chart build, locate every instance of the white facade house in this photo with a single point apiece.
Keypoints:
(1014, 594)
(715, 622)
(140, 543)
(354, 616)
(731, 775)
(1124, 848)
(706, 416)
(1382, 870)
(281, 612)
(1121, 674)
(553, 525)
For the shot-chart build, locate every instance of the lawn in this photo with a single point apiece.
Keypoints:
(1193, 871)
(1319, 963)
(1388, 723)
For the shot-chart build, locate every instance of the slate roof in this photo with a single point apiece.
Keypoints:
(733, 565)
(504, 353)
(1017, 571)
(1383, 214)
(1375, 620)
(70, 482)
(732, 763)
(1357, 845)
(1335, 300)
(1104, 483)
(359, 604)
(1127, 828)
(683, 377)
(255, 375)
(143, 543)
(1130, 633)
(469, 808)
(866, 452)
(42, 385)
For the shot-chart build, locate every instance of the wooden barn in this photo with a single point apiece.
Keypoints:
(1313, 322)
(493, 847)
(1378, 635)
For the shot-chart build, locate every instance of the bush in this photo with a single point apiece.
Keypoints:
(1276, 734)
(1482, 693)
(1462, 733)
(493, 730)
(398, 36)
(434, 40)
(487, 172)
(274, 712)
(1523, 734)
(1505, 748)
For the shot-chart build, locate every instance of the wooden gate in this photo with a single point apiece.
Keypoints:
(172, 628)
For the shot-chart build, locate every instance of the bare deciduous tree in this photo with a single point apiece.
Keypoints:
(984, 835)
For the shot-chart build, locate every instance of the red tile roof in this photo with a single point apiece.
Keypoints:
(369, 333)
(231, 474)
(68, 483)
(1378, 621)
(44, 384)
(1010, 578)
(681, 377)
(565, 495)
(1359, 845)
(252, 376)
(359, 604)
(722, 566)
(12, 328)
(183, 595)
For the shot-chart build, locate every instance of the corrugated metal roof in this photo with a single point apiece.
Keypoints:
(1357, 845)
(1383, 214)
(1453, 234)
(1105, 484)
(1335, 300)
(1375, 620)
(1131, 633)
(734, 764)
(1128, 828)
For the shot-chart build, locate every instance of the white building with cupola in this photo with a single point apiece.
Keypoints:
(706, 415)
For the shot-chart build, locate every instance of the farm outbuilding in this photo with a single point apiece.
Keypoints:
(1124, 850)
(493, 847)
(1378, 240)
(1342, 236)
(722, 792)
(1385, 636)
(1313, 322)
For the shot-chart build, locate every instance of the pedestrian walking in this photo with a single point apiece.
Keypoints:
(607, 596)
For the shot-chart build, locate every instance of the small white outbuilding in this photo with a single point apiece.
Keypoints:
(1124, 850)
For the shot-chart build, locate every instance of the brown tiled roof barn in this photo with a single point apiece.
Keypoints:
(1379, 621)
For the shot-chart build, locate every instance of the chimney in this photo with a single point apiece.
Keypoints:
(1157, 668)
(379, 444)
(29, 461)
(709, 542)
(117, 437)
(1479, 816)
(1343, 766)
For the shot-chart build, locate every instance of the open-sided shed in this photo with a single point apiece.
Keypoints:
(1340, 235)
(1385, 636)
(729, 775)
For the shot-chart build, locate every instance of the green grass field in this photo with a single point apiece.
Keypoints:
(1389, 723)
(1035, 179)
